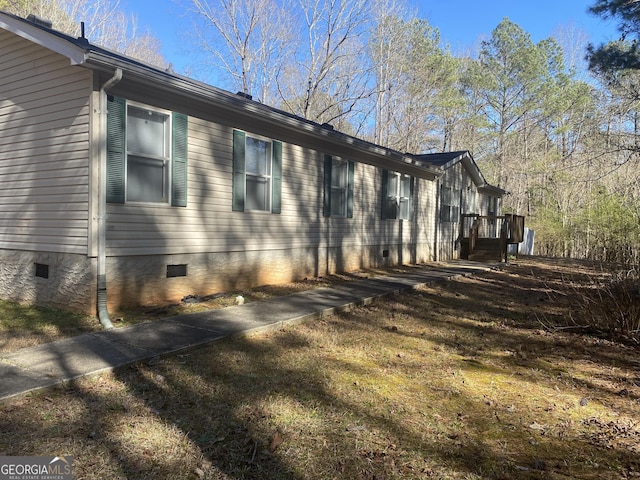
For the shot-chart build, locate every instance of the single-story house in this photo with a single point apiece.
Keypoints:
(122, 184)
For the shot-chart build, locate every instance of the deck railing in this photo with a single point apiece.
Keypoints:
(505, 229)
(484, 226)
(510, 227)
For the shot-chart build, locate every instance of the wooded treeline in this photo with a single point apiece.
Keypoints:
(563, 140)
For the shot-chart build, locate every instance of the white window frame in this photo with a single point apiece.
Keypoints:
(341, 190)
(450, 203)
(400, 197)
(472, 199)
(165, 158)
(267, 178)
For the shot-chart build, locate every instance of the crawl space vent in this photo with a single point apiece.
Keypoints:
(176, 270)
(42, 270)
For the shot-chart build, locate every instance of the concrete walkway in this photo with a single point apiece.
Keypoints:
(43, 366)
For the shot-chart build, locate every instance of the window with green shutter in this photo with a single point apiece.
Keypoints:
(257, 173)
(397, 195)
(146, 154)
(338, 187)
(449, 204)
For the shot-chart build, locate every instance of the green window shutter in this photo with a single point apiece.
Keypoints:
(442, 204)
(411, 195)
(116, 148)
(445, 204)
(327, 186)
(238, 171)
(179, 160)
(385, 193)
(350, 189)
(276, 177)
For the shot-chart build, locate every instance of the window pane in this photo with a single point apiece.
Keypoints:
(393, 184)
(405, 186)
(339, 187)
(392, 208)
(257, 156)
(445, 214)
(339, 174)
(257, 194)
(404, 209)
(455, 214)
(446, 196)
(146, 179)
(146, 132)
(338, 202)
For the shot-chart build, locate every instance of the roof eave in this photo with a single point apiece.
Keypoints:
(492, 190)
(82, 53)
(74, 53)
(473, 169)
(467, 161)
(226, 100)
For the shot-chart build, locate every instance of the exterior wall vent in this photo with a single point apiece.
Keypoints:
(42, 270)
(82, 37)
(177, 270)
(40, 21)
(385, 253)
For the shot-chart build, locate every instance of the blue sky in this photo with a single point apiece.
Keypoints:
(462, 23)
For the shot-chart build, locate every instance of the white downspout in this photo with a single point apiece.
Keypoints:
(103, 314)
(436, 230)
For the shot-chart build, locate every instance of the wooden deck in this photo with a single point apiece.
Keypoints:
(486, 238)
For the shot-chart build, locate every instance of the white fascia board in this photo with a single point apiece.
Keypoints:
(492, 190)
(470, 165)
(454, 161)
(474, 170)
(74, 53)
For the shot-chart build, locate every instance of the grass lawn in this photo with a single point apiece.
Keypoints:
(23, 326)
(457, 380)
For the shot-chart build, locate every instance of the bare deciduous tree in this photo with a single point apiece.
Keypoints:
(247, 39)
(330, 75)
(106, 24)
(387, 45)
(416, 99)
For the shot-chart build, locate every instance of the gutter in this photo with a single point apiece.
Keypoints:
(221, 99)
(82, 53)
(103, 313)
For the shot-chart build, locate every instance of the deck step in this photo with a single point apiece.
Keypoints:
(486, 250)
(485, 258)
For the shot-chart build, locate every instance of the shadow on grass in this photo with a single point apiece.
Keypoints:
(22, 326)
(445, 382)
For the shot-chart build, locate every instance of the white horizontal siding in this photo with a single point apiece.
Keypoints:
(208, 224)
(449, 232)
(44, 149)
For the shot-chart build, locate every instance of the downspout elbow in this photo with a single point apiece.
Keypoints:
(103, 313)
(117, 76)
